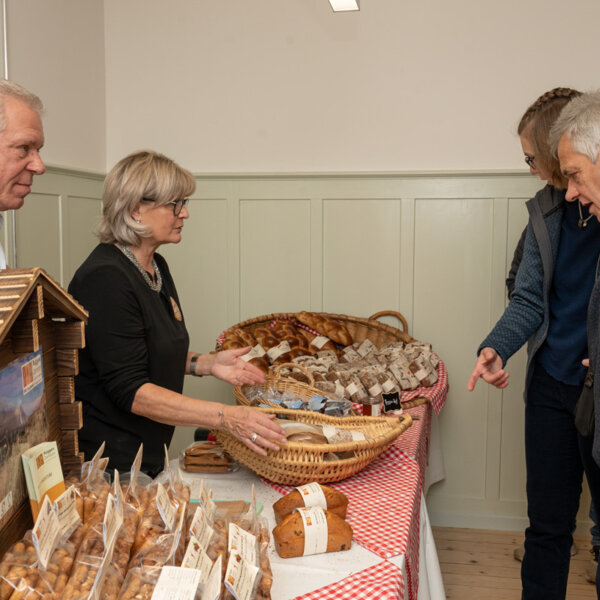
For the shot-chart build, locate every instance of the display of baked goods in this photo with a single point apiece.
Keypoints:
(207, 457)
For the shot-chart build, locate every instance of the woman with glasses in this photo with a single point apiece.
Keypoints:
(132, 368)
(547, 308)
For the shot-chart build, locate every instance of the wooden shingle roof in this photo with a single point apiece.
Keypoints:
(32, 293)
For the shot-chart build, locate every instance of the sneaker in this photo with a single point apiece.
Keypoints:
(519, 552)
(590, 571)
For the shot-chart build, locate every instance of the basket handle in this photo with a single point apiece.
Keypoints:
(309, 376)
(391, 313)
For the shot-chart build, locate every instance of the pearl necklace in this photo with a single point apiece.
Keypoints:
(131, 256)
(582, 223)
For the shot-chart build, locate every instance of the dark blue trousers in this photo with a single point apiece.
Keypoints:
(556, 457)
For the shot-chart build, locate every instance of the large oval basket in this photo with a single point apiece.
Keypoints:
(300, 463)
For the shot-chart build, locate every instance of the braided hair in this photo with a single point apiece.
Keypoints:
(536, 123)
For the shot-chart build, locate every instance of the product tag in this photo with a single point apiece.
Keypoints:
(312, 495)
(45, 532)
(205, 501)
(65, 507)
(136, 466)
(375, 390)
(118, 491)
(212, 586)
(275, 352)
(112, 520)
(257, 352)
(319, 341)
(387, 386)
(352, 389)
(196, 558)
(167, 511)
(176, 583)
(391, 402)
(242, 542)
(240, 577)
(201, 529)
(315, 530)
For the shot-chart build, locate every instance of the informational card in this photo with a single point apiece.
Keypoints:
(167, 510)
(43, 474)
(196, 558)
(243, 542)
(201, 529)
(177, 583)
(65, 507)
(112, 520)
(45, 532)
(240, 577)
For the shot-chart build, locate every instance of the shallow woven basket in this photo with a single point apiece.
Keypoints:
(299, 463)
(359, 328)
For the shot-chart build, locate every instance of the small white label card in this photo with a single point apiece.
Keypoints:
(315, 530)
(112, 520)
(201, 529)
(167, 510)
(136, 466)
(196, 558)
(242, 542)
(312, 495)
(45, 532)
(118, 491)
(319, 341)
(240, 577)
(176, 583)
(65, 507)
(212, 587)
(205, 501)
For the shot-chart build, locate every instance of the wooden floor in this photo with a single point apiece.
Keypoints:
(478, 564)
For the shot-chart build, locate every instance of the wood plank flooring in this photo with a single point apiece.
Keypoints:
(478, 564)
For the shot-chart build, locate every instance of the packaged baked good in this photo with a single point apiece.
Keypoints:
(206, 457)
(311, 531)
(311, 494)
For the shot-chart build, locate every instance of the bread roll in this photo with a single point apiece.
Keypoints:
(336, 503)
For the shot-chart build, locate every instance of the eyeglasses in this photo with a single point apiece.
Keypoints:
(177, 204)
(530, 160)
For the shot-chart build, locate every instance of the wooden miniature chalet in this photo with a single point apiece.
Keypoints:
(36, 314)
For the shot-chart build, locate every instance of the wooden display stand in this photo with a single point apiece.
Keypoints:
(35, 312)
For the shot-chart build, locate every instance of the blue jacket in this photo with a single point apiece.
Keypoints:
(527, 316)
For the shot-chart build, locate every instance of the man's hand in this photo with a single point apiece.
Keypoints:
(489, 368)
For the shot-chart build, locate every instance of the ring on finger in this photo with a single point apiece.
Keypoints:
(254, 436)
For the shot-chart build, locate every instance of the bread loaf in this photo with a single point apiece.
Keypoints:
(289, 535)
(325, 326)
(335, 502)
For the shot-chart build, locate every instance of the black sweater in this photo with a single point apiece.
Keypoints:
(132, 338)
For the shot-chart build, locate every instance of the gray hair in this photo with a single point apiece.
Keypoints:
(143, 174)
(14, 90)
(580, 122)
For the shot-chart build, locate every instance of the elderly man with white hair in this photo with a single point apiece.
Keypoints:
(575, 139)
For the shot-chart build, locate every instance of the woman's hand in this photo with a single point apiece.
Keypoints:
(489, 368)
(256, 429)
(228, 366)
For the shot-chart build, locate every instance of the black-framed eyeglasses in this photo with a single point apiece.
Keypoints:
(530, 160)
(177, 204)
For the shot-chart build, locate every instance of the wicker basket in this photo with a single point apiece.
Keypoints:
(359, 328)
(299, 463)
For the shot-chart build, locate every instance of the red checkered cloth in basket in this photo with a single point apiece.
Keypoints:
(436, 394)
(384, 503)
(383, 581)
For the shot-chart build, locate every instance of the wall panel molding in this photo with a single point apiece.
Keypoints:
(434, 246)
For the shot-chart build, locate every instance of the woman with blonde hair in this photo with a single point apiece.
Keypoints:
(132, 368)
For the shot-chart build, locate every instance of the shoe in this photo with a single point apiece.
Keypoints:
(519, 552)
(590, 571)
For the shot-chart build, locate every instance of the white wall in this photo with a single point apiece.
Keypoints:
(287, 85)
(56, 49)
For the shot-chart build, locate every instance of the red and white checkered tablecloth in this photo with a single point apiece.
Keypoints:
(384, 503)
(383, 581)
(436, 394)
